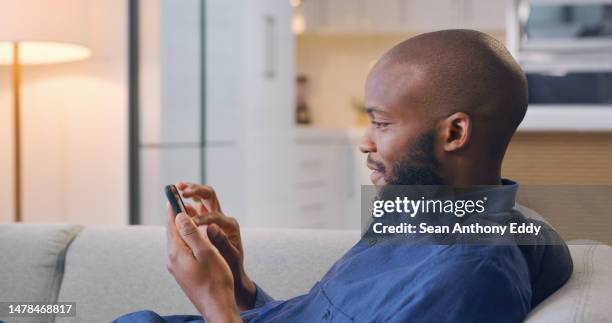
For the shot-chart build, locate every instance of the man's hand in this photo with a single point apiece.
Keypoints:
(224, 233)
(200, 270)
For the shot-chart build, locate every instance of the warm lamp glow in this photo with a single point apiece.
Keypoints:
(36, 32)
(298, 24)
(33, 53)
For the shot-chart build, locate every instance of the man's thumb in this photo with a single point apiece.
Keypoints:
(190, 234)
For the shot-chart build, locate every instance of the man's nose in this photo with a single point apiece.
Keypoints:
(366, 145)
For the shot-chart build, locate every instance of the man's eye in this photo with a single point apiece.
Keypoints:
(380, 124)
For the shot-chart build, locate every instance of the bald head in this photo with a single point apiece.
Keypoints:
(465, 74)
(459, 70)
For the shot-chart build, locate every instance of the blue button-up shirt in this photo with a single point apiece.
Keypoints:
(381, 281)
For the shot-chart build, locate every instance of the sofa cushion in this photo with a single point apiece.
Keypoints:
(586, 296)
(113, 271)
(287, 263)
(32, 262)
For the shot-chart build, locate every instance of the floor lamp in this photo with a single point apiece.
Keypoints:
(35, 32)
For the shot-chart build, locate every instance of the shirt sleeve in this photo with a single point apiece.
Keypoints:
(261, 297)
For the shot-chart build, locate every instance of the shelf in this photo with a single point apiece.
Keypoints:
(567, 118)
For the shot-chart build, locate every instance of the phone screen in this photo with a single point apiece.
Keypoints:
(174, 197)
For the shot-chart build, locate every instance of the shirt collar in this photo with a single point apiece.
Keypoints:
(500, 198)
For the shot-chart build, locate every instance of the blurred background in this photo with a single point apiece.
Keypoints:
(263, 101)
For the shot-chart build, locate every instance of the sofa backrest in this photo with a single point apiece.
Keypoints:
(112, 271)
(586, 297)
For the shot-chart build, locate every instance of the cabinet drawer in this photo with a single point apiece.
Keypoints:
(315, 162)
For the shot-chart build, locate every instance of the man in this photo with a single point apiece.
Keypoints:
(443, 108)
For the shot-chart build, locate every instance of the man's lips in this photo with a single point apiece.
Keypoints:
(377, 175)
(373, 167)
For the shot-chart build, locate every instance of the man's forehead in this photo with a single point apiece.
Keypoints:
(392, 86)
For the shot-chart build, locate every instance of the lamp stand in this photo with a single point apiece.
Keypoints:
(16, 75)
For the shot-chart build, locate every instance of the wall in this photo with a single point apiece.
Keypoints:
(560, 158)
(337, 67)
(74, 130)
(6, 146)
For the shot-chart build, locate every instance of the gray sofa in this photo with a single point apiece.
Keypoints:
(115, 270)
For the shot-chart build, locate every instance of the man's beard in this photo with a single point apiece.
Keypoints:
(418, 166)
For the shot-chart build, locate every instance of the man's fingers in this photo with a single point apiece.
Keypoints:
(191, 211)
(204, 196)
(181, 185)
(205, 193)
(220, 240)
(213, 217)
(197, 242)
(202, 209)
(199, 220)
(210, 218)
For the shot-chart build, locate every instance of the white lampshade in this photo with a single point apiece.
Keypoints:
(48, 31)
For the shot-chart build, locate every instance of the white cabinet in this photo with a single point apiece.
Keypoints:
(424, 16)
(383, 15)
(225, 171)
(249, 68)
(237, 87)
(320, 193)
(347, 16)
(224, 56)
(484, 15)
(325, 179)
(397, 16)
(250, 102)
(269, 65)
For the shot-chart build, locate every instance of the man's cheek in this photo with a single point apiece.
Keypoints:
(387, 163)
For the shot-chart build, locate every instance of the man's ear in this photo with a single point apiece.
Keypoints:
(456, 131)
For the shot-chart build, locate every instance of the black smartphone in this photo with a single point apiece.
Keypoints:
(174, 197)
